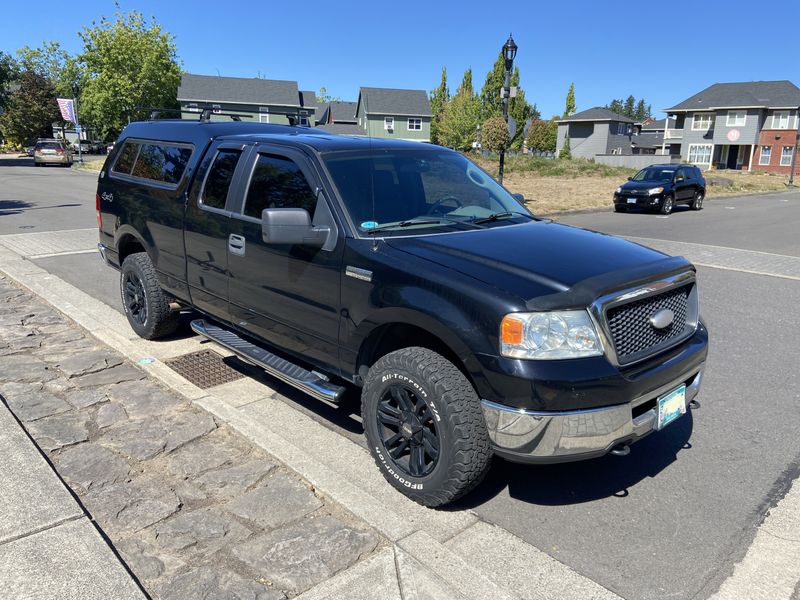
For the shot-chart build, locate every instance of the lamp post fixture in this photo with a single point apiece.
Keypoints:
(77, 120)
(509, 52)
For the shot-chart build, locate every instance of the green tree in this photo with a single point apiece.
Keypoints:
(30, 109)
(459, 126)
(494, 134)
(440, 98)
(8, 72)
(491, 100)
(569, 109)
(640, 114)
(519, 110)
(323, 97)
(542, 135)
(53, 63)
(128, 62)
(616, 106)
(629, 109)
(565, 151)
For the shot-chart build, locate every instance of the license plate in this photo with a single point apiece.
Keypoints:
(631, 200)
(671, 406)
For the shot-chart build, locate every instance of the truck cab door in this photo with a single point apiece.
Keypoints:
(287, 294)
(207, 221)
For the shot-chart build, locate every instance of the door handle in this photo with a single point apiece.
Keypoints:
(236, 244)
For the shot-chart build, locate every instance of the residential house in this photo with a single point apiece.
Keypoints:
(596, 131)
(747, 125)
(649, 136)
(396, 114)
(340, 118)
(263, 100)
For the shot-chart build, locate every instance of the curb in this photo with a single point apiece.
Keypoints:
(436, 541)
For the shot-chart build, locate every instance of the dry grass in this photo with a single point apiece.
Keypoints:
(558, 186)
(94, 164)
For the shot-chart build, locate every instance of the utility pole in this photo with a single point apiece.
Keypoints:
(77, 120)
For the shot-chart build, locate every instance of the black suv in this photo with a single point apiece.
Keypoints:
(661, 187)
(471, 326)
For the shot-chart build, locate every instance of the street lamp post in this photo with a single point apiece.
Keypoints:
(509, 52)
(794, 151)
(77, 120)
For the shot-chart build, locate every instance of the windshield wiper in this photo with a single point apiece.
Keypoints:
(407, 223)
(499, 215)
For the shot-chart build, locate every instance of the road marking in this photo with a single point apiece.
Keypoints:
(41, 244)
(732, 259)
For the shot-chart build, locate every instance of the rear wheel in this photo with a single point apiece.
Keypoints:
(424, 426)
(144, 302)
(697, 201)
(667, 204)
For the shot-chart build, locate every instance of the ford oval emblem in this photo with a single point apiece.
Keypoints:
(662, 318)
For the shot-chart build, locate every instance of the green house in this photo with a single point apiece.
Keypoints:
(395, 114)
(255, 99)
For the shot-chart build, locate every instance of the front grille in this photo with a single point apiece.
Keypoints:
(633, 335)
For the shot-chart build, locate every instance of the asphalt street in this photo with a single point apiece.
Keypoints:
(673, 517)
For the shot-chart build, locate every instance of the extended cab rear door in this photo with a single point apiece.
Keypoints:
(289, 295)
(216, 192)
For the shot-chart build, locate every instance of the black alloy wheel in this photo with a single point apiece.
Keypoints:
(134, 297)
(408, 430)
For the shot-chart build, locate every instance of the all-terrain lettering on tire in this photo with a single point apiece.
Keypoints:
(424, 425)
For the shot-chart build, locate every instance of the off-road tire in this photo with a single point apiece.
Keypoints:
(667, 205)
(620, 208)
(464, 446)
(158, 319)
(697, 201)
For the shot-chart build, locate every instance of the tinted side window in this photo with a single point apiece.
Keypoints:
(161, 162)
(219, 178)
(278, 183)
(126, 157)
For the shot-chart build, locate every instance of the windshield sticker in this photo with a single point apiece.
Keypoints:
(369, 224)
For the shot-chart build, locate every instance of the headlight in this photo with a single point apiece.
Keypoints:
(549, 335)
(619, 190)
(654, 191)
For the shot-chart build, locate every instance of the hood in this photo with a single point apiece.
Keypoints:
(532, 259)
(645, 184)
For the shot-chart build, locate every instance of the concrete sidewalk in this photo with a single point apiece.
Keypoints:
(48, 546)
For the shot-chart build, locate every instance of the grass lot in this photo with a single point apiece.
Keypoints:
(90, 164)
(556, 186)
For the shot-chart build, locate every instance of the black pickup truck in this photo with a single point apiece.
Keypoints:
(472, 327)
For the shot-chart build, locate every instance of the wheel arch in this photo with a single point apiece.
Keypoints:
(128, 241)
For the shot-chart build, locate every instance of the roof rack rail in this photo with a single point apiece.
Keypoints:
(204, 112)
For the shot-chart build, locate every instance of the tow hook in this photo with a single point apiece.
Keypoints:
(694, 404)
(621, 450)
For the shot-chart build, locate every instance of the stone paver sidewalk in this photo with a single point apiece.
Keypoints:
(195, 510)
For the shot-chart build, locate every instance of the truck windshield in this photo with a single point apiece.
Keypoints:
(404, 191)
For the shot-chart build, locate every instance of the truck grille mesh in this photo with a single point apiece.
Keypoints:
(633, 335)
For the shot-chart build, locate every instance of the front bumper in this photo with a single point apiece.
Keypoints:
(529, 436)
(638, 201)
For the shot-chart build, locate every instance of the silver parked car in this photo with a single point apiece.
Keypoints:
(53, 152)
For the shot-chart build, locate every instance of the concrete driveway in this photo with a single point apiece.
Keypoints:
(673, 517)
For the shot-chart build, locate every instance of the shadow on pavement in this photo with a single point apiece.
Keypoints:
(16, 207)
(584, 481)
(16, 162)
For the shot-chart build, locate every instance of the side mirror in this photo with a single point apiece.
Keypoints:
(289, 226)
(630, 178)
(519, 198)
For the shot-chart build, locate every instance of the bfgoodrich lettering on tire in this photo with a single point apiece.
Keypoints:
(145, 304)
(424, 426)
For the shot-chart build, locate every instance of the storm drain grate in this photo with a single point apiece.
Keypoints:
(204, 369)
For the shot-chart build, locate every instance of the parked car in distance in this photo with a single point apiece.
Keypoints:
(109, 148)
(472, 327)
(661, 187)
(51, 152)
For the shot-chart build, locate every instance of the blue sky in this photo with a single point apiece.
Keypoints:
(663, 51)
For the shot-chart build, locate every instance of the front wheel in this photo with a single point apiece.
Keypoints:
(144, 302)
(697, 201)
(424, 426)
(667, 205)
(620, 208)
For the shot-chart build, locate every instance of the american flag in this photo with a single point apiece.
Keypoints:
(67, 107)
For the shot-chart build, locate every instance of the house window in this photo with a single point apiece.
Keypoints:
(766, 154)
(388, 123)
(736, 118)
(786, 156)
(702, 121)
(216, 109)
(193, 107)
(414, 124)
(780, 119)
(700, 153)
(263, 114)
